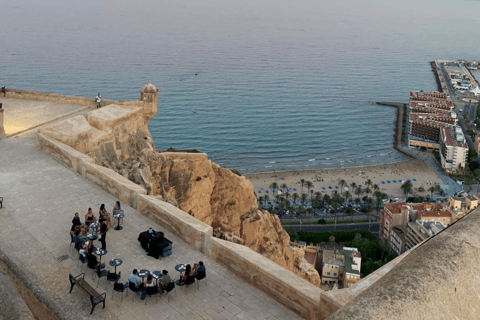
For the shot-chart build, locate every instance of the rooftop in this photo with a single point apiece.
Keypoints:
(349, 254)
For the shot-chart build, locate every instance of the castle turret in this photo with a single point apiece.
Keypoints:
(149, 94)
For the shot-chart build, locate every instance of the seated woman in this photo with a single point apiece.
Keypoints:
(90, 217)
(189, 276)
(104, 214)
(117, 208)
(150, 282)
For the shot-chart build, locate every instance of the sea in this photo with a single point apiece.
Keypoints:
(258, 85)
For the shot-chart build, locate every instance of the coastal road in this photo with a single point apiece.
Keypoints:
(374, 227)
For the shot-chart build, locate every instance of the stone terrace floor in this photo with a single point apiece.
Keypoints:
(22, 114)
(40, 199)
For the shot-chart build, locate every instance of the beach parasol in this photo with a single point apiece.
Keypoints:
(388, 181)
(383, 182)
(414, 179)
(359, 185)
(394, 181)
(401, 181)
(294, 189)
(288, 190)
(274, 191)
(323, 188)
(409, 180)
(266, 191)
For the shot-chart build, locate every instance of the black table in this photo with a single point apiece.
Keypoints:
(153, 243)
(92, 236)
(93, 225)
(181, 268)
(100, 252)
(118, 216)
(143, 273)
(157, 275)
(115, 263)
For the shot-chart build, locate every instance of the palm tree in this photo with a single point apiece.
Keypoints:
(309, 185)
(375, 187)
(367, 190)
(353, 185)
(266, 198)
(304, 197)
(277, 198)
(347, 194)
(358, 192)
(295, 197)
(407, 188)
(273, 186)
(318, 196)
(284, 189)
(311, 196)
(287, 196)
(432, 190)
(342, 184)
(260, 199)
(369, 182)
(302, 182)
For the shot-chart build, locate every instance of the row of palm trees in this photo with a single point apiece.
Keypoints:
(336, 200)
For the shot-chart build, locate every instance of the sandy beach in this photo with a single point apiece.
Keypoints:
(422, 171)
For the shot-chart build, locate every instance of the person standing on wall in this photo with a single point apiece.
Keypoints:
(103, 233)
(98, 100)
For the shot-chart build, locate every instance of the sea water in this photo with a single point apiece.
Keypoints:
(275, 85)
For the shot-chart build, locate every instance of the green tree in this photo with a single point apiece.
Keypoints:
(273, 186)
(309, 185)
(407, 187)
(347, 195)
(311, 196)
(277, 198)
(318, 196)
(368, 183)
(327, 199)
(472, 155)
(302, 182)
(293, 234)
(358, 192)
(295, 197)
(432, 191)
(342, 185)
(266, 198)
(304, 198)
(367, 190)
(260, 199)
(375, 187)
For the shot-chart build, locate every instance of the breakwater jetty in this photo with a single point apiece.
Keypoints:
(400, 125)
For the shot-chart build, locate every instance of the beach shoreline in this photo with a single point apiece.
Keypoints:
(322, 179)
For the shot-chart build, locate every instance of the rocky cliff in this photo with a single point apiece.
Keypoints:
(224, 200)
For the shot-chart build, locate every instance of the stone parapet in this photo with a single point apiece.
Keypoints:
(190, 229)
(298, 294)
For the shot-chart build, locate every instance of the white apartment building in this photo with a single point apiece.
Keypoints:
(453, 149)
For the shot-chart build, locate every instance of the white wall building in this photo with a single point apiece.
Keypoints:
(453, 149)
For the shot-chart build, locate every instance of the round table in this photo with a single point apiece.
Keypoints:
(115, 263)
(92, 236)
(181, 268)
(143, 273)
(157, 275)
(118, 216)
(100, 252)
(94, 226)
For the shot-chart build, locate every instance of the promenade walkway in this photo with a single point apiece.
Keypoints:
(40, 199)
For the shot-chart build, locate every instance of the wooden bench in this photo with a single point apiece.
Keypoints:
(95, 297)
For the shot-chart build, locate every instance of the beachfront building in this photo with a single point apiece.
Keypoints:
(420, 230)
(398, 239)
(432, 124)
(453, 149)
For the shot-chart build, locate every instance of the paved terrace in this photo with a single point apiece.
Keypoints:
(23, 114)
(40, 199)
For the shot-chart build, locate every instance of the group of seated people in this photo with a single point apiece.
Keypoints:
(79, 231)
(90, 217)
(198, 271)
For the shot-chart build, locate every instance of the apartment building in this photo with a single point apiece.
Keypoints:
(398, 239)
(353, 263)
(421, 230)
(432, 123)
